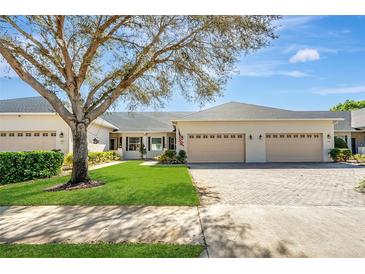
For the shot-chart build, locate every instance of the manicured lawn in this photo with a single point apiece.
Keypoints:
(126, 184)
(100, 250)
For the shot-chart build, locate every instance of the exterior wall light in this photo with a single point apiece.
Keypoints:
(328, 136)
(250, 137)
(61, 134)
(95, 141)
(260, 137)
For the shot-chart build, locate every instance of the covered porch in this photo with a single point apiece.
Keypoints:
(355, 140)
(128, 143)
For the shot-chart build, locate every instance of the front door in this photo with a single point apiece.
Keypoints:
(112, 144)
(353, 145)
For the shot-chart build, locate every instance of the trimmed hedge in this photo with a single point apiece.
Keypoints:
(96, 157)
(340, 154)
(340, 143)
(23, 166)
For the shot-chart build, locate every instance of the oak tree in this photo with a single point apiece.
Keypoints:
(82, 64)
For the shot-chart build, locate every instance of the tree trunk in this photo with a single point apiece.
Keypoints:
(80, 155)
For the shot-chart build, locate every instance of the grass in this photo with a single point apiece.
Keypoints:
(126, 184)
(99, 250)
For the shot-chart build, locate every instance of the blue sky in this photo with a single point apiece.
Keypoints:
(316, 62)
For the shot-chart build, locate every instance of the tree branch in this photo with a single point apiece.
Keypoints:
(28, 78)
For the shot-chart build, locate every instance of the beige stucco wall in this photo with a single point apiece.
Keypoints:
(255, 148)
(38, 123)
(52, 122)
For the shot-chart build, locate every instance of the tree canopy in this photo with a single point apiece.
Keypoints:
(349, 105)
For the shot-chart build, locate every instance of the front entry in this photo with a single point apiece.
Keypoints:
(353, 145)
(216, 148)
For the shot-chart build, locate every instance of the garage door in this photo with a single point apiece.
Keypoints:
(293, 147)
(216, 148)
(27, 141)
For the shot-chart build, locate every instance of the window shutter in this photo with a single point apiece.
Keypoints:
(126, 143)
(169, 142)
(149, 143)
(140, 141)
(163, 142)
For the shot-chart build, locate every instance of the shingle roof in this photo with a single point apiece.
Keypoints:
(29, 104)
(143, 121)
(242, 111)
(161, 121)
(358, 118)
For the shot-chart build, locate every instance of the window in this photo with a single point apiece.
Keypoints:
(212, 136)
(191, 136)
(268, 136)
(3, 134)
(225, 136)
(156, 143)
(45, 134)
(275, 136)
(134, 143)
(239, 136)
(316, 136)
(295, 135)
(288, 136)
(36, 134)
(20, 134)
(197, 136)
(172, 144)
(302, 136)
(11, 134)
(282, 136)
(53, 134)
(309, 136)
(233, 136)
(28, 134)
(205, 136)
(219, 136)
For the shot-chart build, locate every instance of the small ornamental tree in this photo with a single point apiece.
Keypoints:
(82, 64)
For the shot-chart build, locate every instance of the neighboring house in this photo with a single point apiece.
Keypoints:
(232, 132)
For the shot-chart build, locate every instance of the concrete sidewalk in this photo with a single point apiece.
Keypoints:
(44, 224)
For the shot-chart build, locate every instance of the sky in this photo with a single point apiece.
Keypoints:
(317, 62)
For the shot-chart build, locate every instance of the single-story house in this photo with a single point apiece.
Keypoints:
(231, 132)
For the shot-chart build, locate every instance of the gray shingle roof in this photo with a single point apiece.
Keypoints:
(161, 121)
(143, 121)
(242, 111)
(358, 118)
(29, 104)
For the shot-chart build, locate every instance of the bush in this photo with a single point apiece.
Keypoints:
(361, 186)
(95, 158)
(170, 157)
(340, 154)
(340, 143)
(22, 166)
(358, 158)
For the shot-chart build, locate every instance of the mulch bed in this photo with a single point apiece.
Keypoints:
(68, 187)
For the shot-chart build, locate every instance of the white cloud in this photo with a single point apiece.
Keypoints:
(305, 55)
(342, 90)
(290, 22)
(267, 69)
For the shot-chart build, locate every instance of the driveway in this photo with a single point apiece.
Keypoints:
(281, 210)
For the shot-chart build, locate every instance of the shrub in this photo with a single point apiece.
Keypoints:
(340, 143)
(361, 186)
(22, 166)
(340, 154)
(170, 157)
(181, 157)
(358, 158)
(95, 158)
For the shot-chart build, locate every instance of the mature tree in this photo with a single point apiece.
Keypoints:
(82, 64)
(349, 105)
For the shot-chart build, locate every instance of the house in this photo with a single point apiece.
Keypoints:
(231, 132)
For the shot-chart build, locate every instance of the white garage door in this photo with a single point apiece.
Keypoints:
(294, 147)
(216, 148)
(27, 141)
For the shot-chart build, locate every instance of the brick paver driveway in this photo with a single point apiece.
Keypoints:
(321, 184)
(281, 210)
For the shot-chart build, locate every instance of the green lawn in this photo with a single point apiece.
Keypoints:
(126, 184)
(100, 250)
